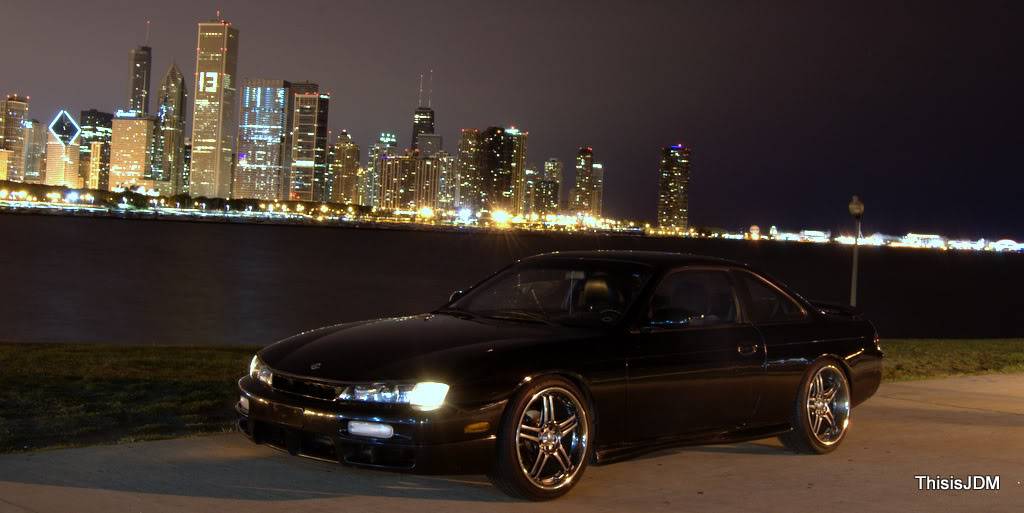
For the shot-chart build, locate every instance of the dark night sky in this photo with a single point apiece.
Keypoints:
(789, 108)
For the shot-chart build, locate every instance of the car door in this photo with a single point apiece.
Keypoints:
(789, 336)
(693, 363)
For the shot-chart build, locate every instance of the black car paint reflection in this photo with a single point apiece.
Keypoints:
(726, 368)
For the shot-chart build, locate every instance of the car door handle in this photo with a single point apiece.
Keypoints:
(748, 350)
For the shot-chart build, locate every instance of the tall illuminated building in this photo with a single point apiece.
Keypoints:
(582, 197)
(554, 171)
(308, 173)
(5, 159)
(131, 151)
(62, 152)
(397, 183)
(344, 161)
(411, 183)
(370, 181)
(96, 128)
(264, 124)
(674, 187)
(427, 184)
(597, 190)
(213, 113)
(186, 158)
(467, 170)
(531, 181)
(98, 173)
(502, 169)
(13, 118)
(34, 154)
(422, 124)
(138, 83)
(170, 129)
(545, 197)
(448, 180)
(429, 144)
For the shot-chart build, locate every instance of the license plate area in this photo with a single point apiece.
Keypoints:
(287, 415)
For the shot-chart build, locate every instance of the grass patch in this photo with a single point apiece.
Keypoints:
(907, 359)
(71, 395)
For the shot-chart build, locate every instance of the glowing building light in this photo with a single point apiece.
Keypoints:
(500, 217)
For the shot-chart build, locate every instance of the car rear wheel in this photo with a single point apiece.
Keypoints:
(821, 413)
(544, 441)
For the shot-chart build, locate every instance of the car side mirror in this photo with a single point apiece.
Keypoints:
(456, 295)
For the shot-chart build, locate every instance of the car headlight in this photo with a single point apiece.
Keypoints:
(260, 372)
(428, 395)
(424, 396)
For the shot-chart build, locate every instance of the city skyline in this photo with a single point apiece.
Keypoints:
(791, 183)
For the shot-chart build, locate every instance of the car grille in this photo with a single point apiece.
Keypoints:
(306, 388)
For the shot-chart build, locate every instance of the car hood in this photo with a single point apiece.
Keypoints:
(417, 348)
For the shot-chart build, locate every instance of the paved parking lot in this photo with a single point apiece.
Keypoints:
(958, 426)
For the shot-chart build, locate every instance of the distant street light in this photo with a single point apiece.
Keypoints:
(857, 211)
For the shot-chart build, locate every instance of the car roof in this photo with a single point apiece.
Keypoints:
(660, 259)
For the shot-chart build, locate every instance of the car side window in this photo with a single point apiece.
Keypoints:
(768, 304)
(693, 298)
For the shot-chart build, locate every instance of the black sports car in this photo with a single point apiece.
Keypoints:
(566, 359)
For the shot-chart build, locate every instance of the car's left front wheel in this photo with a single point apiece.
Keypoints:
(544, 442)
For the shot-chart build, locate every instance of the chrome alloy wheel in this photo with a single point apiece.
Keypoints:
(552, 438)
(828, 405)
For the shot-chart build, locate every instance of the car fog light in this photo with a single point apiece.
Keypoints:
(370, 429)
(243, 403)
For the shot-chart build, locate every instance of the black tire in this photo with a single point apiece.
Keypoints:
(802, 438)
(509, 473)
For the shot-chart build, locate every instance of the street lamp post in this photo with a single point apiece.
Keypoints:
(857, 211)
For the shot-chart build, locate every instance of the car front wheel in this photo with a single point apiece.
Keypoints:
(544, 442)
(821, 413)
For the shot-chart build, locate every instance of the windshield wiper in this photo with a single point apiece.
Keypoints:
(520, 315)
(455, 312)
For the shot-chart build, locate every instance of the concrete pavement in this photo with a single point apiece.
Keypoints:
(957, 426)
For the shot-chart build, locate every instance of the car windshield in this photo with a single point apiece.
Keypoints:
(567, 292)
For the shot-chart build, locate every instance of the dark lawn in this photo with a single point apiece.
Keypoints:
(54, 395)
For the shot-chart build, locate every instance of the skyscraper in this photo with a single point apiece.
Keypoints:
(96, 128)
(674, 187)
(186, 172)
(554, 170)
(597, 190)
(448, 180)
(97, 176)
(263, 134)
(422, 123)
(503, 162)
(545, 197)
(467, 170)
(309, 174)
(397, 190)
(213, 114)
(429, 144)
(14, 114)
(531, 182)
(344, 162)
(370, 181)
(170, 129)
(582, 196)
(62, 152)
(427, 183)
(131, 151)
(5, 158)
(138, 83)
(34, 156)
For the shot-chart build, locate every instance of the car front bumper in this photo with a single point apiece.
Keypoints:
(447, 441)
